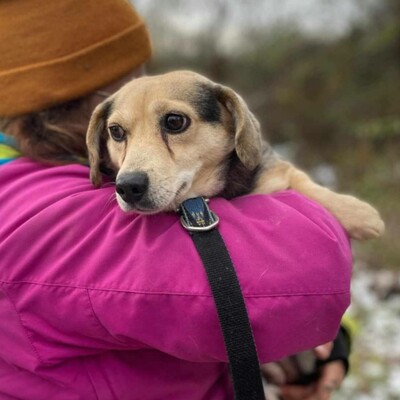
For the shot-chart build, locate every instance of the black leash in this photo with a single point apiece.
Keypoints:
(201, 223)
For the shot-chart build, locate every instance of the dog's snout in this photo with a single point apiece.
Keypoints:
(132, 187)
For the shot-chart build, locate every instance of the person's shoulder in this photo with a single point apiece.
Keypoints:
(30, 173)
(56, 223)
(285, 209)
(27, 185)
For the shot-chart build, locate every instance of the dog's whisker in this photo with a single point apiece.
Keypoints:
(109, 201)
(109, 184)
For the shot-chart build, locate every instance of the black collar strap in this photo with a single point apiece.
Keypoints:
(201, 222)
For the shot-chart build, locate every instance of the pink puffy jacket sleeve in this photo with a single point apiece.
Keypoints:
(84, 277)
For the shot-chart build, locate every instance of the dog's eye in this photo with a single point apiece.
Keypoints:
(117, 133)
(175, 123)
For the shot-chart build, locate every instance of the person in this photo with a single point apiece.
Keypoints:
(98, 304)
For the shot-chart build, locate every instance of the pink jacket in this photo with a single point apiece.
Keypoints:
(98, 304)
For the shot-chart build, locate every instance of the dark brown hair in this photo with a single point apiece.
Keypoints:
(55, 135)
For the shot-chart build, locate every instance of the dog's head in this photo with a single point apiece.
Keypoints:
(169, 138)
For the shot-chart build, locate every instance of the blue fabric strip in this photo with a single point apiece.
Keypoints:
(8, 140)
(6, 160)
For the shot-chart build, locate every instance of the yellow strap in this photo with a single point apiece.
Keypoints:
(351, 325)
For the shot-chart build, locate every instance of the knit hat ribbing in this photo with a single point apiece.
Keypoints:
(55, 51)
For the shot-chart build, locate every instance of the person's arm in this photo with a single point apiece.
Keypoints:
(340, 350)
(330, 366)
(140, 282)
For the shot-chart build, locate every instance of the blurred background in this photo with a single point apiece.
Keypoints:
(323, 77)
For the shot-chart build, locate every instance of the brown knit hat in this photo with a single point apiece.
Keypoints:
(55, 51)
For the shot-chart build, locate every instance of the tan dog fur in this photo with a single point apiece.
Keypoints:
(221, 152)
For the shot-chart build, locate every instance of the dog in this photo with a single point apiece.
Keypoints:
(176, 136)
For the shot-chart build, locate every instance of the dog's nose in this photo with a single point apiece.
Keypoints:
(132, 187)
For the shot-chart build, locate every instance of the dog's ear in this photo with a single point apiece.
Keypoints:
(248, 140)
(96, 137)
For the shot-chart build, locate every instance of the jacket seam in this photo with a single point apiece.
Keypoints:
(155, 293)
(98, 320)
(90, 379)
(24, 328)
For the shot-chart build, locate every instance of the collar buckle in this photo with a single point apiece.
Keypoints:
(196, 216)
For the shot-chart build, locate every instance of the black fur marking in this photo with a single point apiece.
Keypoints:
(107, 109)
(164, 136)
(238, 179)
(205, 102)
(105, 161)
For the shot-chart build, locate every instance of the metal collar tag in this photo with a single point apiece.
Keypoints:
(196, 216)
